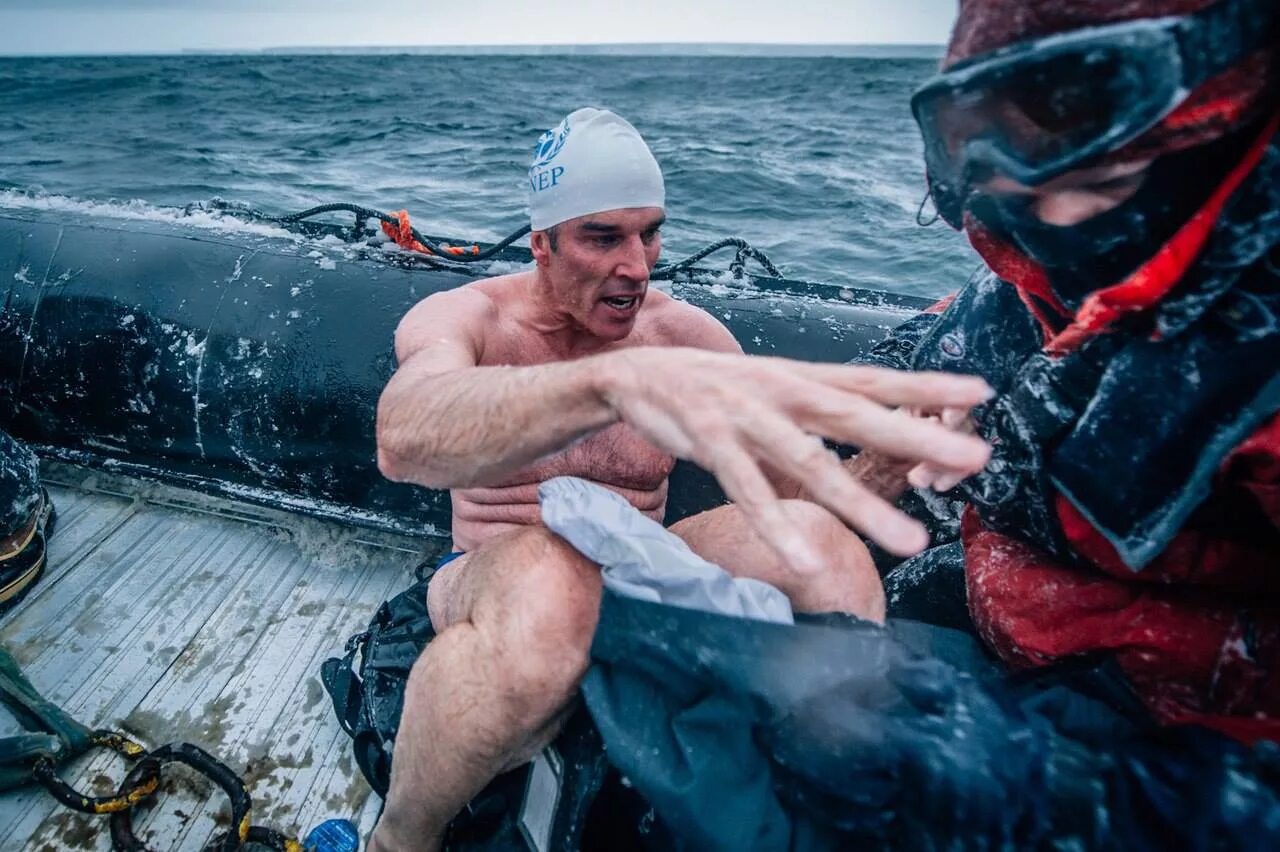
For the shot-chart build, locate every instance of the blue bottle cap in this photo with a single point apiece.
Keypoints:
(333, 835)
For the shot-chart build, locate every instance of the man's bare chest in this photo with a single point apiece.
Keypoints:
(616, 456)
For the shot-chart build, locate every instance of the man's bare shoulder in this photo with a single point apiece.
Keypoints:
(458, 316)
(677, 323)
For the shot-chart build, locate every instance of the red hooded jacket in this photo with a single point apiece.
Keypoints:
(1197, 629)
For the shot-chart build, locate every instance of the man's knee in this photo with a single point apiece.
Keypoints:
(849, 581)
(541, 623)
(840, 546)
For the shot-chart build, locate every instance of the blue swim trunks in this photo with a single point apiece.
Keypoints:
(448, 557)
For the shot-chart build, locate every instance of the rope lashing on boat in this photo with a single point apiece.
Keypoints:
(402, 234)
(56, 738)
(738, 267)
(397, 227)
(443, 256)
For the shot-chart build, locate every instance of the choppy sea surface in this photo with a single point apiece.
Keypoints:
(815, 161)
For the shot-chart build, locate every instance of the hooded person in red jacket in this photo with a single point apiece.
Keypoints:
(1117, 166)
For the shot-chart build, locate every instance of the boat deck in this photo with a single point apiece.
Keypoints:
(173, 616)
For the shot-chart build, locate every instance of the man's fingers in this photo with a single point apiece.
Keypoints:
(947, 481)
(752, 411)
(957, 419)
(928, 475)
(822, 476)
(923, 476)
(886, 525)
(936, 478)
(855, 420)
(927, 390)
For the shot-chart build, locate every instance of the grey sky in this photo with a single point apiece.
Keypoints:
(114, 26)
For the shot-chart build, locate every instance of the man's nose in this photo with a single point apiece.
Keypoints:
(633, 262)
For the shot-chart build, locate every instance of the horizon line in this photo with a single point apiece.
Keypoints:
(711, 48)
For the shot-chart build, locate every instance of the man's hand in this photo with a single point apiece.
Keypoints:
(888, 477)
(930, 474)
(734, 414)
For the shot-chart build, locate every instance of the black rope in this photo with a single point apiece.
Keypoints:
(442, 258)
(336, 207)
(364, 213)
(241, 832)
(745, 251)
(45, 773)
(140, 783)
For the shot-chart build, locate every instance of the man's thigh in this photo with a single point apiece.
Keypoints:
(523, 570)
(849, 581)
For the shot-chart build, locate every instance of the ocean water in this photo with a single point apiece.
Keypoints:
(815, 161)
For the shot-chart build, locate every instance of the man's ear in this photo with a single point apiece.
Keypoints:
(540, 245)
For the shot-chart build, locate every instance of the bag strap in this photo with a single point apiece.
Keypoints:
(54, 733)
(343, 685)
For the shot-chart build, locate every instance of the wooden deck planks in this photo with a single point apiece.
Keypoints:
(178, 617)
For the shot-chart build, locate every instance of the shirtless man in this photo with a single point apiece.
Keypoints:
(576, 367)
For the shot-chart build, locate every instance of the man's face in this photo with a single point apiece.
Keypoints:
(1076, 196)
(599, 269)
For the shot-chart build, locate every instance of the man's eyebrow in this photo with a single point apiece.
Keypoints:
(606, 228)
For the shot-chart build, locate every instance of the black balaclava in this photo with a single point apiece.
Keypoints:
(1105, 249)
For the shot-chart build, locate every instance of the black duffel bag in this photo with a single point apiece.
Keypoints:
(369, 702)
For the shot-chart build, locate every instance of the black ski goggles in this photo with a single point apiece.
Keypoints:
(1036, 110)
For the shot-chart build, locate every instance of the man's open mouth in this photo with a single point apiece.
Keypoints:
(622, 303)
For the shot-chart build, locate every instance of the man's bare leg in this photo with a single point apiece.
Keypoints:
(514, 621)
(848, 583)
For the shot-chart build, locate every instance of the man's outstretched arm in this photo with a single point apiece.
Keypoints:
(445, 422)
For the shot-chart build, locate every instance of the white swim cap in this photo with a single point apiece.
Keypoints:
(592, 162)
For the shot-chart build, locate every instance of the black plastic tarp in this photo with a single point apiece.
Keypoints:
(835, 733)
